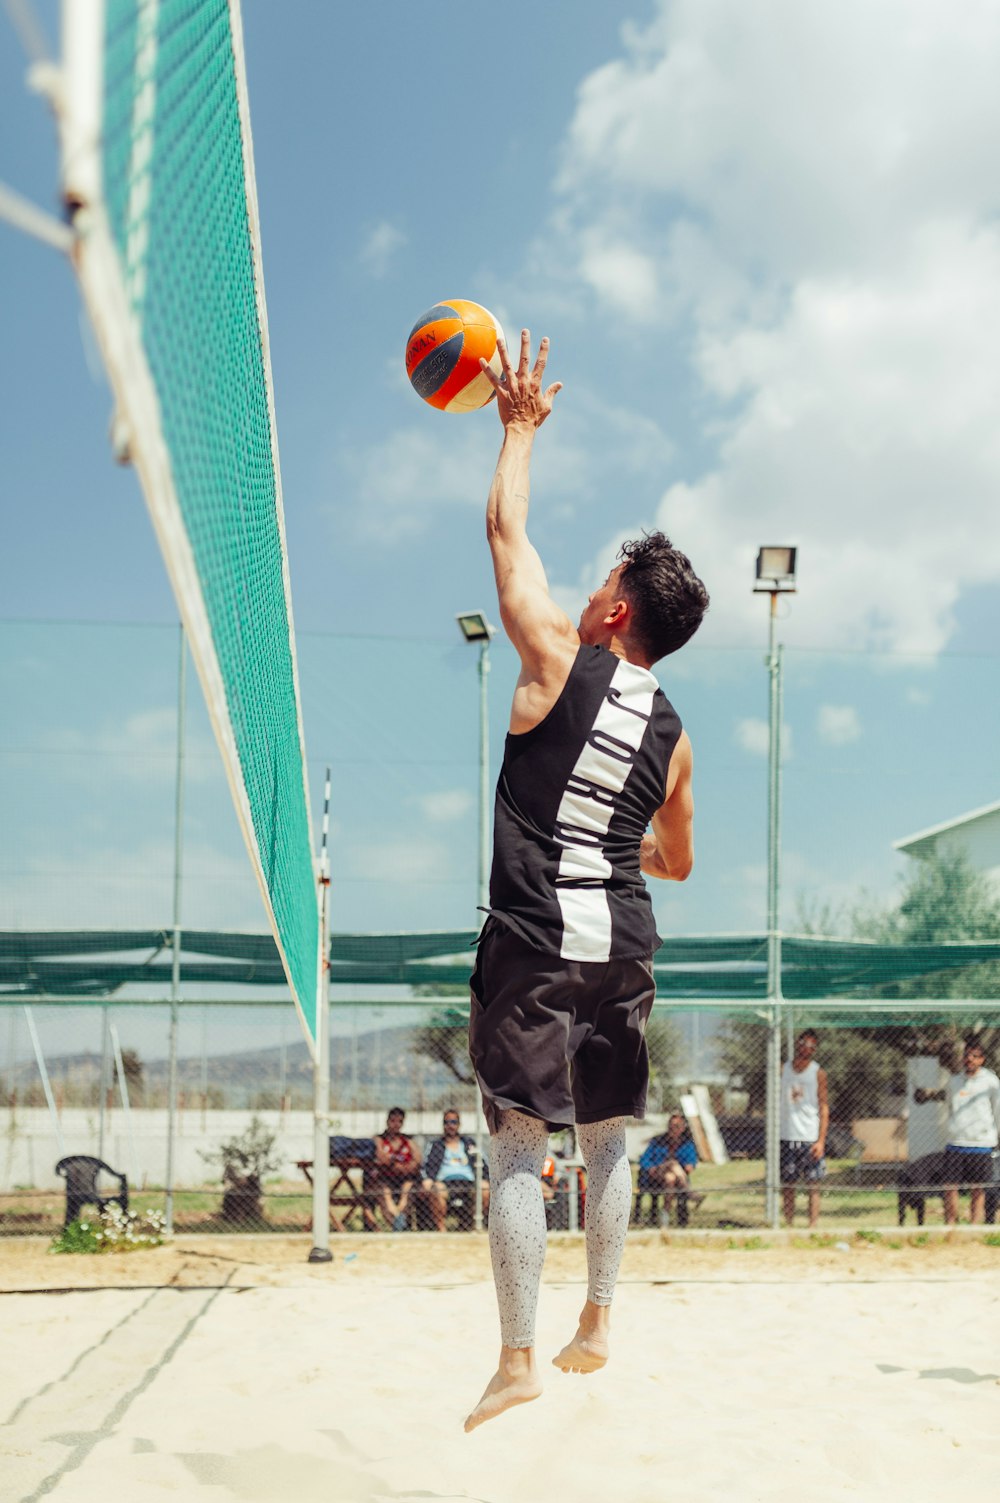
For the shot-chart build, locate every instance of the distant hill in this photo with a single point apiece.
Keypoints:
(376, 1068)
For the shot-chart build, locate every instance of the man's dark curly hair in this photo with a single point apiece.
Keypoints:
(667, 598)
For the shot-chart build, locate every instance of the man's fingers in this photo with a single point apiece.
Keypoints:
(543, 355)
(522, 364)
(504, 359)
(556, 386)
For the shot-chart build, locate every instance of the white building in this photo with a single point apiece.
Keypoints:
(975, 836)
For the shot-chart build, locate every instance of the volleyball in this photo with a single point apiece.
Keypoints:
(443, 351)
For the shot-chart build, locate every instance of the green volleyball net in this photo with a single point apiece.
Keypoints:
(158, 174)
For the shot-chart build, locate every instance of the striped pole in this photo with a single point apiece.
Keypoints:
(321, 1071)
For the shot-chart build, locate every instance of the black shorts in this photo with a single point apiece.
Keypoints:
(561, 1040)
(797, 1163)
(967, 1166)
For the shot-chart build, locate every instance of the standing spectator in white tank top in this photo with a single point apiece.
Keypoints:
(805, 1116)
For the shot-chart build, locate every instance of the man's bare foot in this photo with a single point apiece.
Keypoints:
(514, 1382)
(588, 1350)
(584, 1354)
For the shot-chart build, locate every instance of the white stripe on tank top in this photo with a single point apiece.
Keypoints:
(588, 806)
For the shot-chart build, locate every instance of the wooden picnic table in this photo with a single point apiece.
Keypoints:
(346, 1194)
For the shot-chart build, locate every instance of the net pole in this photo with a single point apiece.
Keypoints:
(80, 122)
(175, 971)
(320, 1252)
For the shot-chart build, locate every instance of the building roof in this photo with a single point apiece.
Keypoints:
(924, 841)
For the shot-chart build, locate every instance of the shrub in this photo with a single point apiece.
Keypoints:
(244, 1161)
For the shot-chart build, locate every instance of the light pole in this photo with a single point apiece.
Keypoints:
(775, 576)
(475, 628)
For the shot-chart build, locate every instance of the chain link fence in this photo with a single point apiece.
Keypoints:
(879, 946)
(94, 1082)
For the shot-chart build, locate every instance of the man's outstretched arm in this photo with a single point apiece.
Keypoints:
(532, 620)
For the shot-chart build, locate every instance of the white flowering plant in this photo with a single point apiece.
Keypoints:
(112, 1230)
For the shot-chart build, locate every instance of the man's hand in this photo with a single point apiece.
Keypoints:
(816, 1151)
(521, 402)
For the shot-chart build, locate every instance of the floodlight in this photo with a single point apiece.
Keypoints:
(474, 626)
(776, 570)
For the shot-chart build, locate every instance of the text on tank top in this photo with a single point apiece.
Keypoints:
(574, 798)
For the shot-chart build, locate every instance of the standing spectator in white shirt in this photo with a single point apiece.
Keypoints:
(973, 1098)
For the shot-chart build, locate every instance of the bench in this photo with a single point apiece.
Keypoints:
(682, 1202)
(347, 1194)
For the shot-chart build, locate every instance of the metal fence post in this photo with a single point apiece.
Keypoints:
(774, 994)
(175, 974)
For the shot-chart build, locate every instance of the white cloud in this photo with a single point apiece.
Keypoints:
(447, 806)
(401, 862)
(448, 459)
(415, 471)
(798, 134)
(622, 276)
(803, 883)
(866, 437)
(380, 247)
(754, 737)
(130, 885)
(838, 725)
(141, 748)
(810, 191)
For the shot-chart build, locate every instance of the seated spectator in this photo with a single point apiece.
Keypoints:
(450, 1164)
(397, 1163)
(666, 1164)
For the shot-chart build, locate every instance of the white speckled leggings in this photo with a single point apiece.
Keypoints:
(517, 1215)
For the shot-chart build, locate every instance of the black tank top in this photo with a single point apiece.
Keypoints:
(574, 798)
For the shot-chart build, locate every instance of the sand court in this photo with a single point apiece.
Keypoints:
(734, 1376)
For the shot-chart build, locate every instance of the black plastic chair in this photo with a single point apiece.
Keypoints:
(80, 1171)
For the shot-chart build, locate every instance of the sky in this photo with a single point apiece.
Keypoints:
(763, 240)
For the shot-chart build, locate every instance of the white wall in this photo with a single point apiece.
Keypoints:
(29, 1150)
(978, 842)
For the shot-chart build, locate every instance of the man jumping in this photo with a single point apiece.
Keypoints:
(563, 981)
